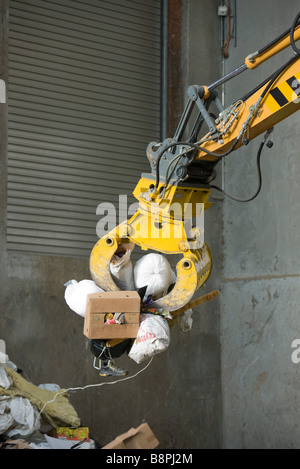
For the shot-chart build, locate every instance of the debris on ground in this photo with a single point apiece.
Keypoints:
(31, 416)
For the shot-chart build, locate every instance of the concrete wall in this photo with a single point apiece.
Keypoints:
(179, 394)
(261, 266)
(255, 245)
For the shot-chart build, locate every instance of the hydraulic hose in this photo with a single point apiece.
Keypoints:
(295, 23)
(258, 156)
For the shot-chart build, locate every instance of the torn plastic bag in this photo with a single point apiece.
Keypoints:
(153, 337)
(121, 268)
(18, 416)
(154, 271)
(50, 386)
(185, 321)
(76, 294)
(6, 419)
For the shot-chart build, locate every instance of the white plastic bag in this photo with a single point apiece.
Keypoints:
(121, 269)
(172, 282)
(6, 419)
(50, 387)
(153, 337)
(153, 271)
(76, 294)
(5, 380)
(185, 321)
(18, 416)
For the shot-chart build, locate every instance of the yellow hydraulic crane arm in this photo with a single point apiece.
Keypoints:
(177, 190)
(271, 103)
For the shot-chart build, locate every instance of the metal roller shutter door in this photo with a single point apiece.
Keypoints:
(84, 97)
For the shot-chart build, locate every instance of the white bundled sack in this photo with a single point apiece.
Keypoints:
(173, 281)
(121, 268)
(153, 337)
(153, 271)
(76, 294)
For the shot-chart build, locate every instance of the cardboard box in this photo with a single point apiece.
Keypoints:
(99, 304)
(141, 437)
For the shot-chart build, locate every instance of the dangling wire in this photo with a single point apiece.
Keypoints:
(82, 388)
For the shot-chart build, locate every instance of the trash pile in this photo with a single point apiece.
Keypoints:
(152, 277)
(31, 416)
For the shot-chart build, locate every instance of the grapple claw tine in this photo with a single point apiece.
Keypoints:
(102, 254)
(192, 271)
(100, 259)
